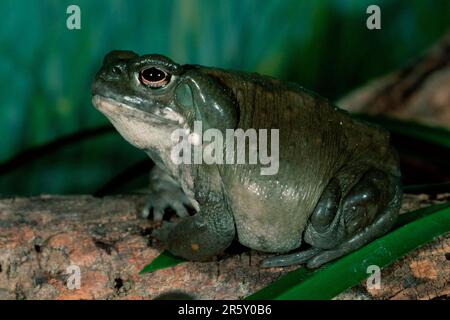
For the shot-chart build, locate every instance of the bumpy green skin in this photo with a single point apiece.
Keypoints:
(337, 187)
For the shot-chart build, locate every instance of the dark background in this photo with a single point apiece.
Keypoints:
(46, 70)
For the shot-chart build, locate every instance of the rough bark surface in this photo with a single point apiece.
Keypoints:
(420, 91)
(41, 237)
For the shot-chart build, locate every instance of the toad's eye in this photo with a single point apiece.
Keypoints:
(154, 77)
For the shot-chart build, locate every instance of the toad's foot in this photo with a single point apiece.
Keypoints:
(162, 233)
(291, 259)
(165, 193)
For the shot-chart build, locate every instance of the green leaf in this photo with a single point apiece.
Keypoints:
(338, 276)
(435, 135)
(164, 260)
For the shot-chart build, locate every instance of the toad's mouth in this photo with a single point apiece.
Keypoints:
(113, 108)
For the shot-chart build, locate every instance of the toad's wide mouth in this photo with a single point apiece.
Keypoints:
(113, 108)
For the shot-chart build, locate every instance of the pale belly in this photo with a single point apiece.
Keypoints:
(265, 224)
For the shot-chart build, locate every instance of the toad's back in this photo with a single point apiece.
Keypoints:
(317, 141)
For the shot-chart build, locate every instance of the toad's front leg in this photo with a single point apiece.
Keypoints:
(165, 192)
(204, 235)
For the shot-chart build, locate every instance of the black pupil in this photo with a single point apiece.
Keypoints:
(153, 74)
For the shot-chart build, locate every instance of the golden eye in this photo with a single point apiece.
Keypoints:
(154, 77)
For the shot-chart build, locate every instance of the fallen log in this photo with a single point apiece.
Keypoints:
(41, 237)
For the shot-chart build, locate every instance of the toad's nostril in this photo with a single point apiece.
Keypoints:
(116, 70)
(101, 74)
(106, 74)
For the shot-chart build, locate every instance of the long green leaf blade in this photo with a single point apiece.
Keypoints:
(164, 260)
(334, 278)
(435, 135)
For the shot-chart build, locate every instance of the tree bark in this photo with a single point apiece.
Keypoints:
(40, 237)
(420, 91)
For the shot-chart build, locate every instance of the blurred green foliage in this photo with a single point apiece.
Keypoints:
(46, 70)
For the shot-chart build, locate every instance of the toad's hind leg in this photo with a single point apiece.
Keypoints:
(363, 234)
(368, 210)
(324, 219)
